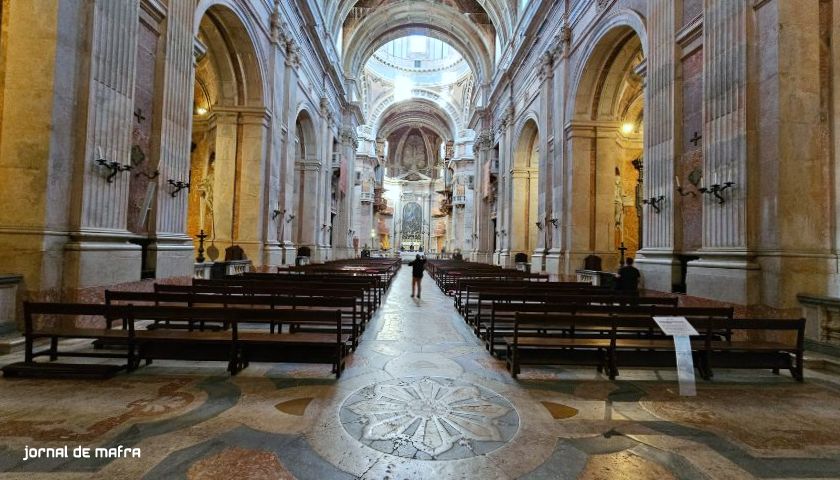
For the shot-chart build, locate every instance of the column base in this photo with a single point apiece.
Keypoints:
(727, 277)
(538, 261)
(660, 270)
(171, 256)
(555, 262)
(94, 259)
(505, 260)
(272, 256)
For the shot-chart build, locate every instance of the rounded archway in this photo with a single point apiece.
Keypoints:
(227, 135)
(525, 182)
(606, 142)
(306, 181)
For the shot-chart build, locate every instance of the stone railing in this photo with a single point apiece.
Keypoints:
(822, 326)
(595, 277)
(366, 197)
(202, 270)
(459, 200)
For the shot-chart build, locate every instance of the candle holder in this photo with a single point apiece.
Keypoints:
(114, 166)
(276, 213)
(539, 225)
(153, 176)
(201, 236)
(290, 218)
(716, 190)
(555, 222)
(655, 202)
(683, 193)
(178, 185)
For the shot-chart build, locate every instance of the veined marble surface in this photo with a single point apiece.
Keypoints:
(421, 398)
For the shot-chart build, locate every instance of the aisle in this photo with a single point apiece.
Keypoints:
(423, 399)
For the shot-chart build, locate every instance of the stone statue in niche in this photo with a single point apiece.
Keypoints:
(618, 201)
(205, 189)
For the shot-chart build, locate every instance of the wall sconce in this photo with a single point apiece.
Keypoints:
(178, 185)
(716, 189)
(539, 225)
(680, 189)
(555, 221)
(504, 233)
(114, 166)
(475, 236)
(290, 218)
(276, 213)
(350, 233)
(655, 202)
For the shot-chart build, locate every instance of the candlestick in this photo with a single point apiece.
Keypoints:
(677, 180)
(99, 150)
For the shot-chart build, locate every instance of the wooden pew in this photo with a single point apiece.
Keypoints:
(237, 346)
(631, 340)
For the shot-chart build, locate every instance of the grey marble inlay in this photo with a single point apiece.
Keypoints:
(429, 418)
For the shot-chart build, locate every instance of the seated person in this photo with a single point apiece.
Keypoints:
(627, 278)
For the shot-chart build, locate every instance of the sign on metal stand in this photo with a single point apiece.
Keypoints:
(681, 330)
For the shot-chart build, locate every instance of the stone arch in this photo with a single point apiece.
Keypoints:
(230, 131)
(306, 156)
(424, 96)
(501, 16)
(378, 28)
(525, 182)
(602, 41)
(241, 37)
(605, 141)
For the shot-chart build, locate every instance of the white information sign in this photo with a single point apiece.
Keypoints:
(681, 330)
(675, 326)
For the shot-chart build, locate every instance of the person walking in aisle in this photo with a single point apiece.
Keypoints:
(417, 266)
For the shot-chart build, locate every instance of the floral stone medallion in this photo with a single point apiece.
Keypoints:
(429, 418)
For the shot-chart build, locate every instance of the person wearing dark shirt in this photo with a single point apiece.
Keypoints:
(628, 277)
(417, 266)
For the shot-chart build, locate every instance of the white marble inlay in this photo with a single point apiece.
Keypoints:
(432, 418)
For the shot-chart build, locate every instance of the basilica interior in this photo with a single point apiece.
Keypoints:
(211, 212)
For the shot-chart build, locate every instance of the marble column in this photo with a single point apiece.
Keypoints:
(504, 257)
(277, 209)
(40, 146)
(288, 169)
(252, 208)
(660, 270)
(791, 197)
(542, 178)
(99, 252)
(726, 270)
(556, 260)
(171, 250)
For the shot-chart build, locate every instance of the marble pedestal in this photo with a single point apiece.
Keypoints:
(660, 270)
(554, 262)
(92, 260)
(272, 255)
(725, 277)
(172, 256)
(10, 314)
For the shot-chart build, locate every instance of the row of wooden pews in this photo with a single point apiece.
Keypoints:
(528, 320)
(305, 316)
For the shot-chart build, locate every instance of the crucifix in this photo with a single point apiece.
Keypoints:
(695, 139)
(622, 249)
(138, 114)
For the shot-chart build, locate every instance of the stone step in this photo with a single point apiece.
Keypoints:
(11, 343)
(823, 363)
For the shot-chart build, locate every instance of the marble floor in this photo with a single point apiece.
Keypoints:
(420, 399)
